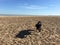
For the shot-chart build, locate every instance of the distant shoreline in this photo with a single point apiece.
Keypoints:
(25, 15)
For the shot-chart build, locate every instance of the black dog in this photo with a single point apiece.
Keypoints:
(38, 26)
(23, 33)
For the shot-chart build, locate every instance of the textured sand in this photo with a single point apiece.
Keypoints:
(11, 26)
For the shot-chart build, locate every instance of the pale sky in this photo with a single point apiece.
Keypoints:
(30, 7)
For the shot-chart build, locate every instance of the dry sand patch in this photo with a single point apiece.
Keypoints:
(11, 26)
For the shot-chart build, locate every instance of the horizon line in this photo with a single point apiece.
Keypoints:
(29, 15)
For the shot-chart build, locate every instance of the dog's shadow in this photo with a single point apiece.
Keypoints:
(23, 33)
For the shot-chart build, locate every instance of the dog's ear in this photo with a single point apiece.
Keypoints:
(39, 22)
